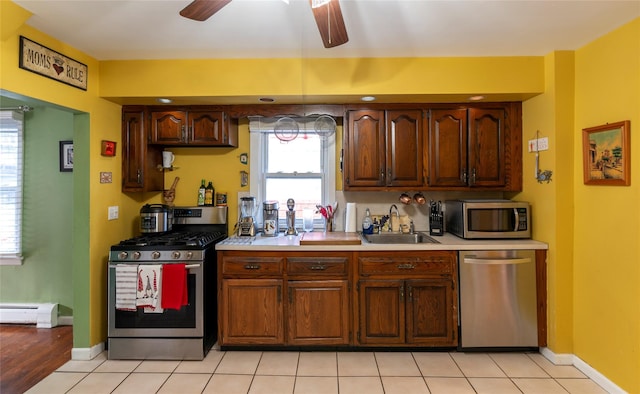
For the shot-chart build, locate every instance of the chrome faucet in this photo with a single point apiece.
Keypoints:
(391, 216)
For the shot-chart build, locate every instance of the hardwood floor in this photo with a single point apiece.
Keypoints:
(29, 354)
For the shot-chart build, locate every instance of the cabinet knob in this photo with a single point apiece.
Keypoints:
(318, 267)
(464, 176)
(406, 266)
(252, 266)
(473, 176)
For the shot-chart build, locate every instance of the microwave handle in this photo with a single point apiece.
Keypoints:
(515, 211)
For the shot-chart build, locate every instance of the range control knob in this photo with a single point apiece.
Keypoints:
(155, 255)
(189, 255)
(123, 255)
(136, 255)
(175, 255)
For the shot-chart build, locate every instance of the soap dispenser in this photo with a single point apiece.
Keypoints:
(367, 223)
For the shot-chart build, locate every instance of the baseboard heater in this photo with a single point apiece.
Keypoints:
(43, 315)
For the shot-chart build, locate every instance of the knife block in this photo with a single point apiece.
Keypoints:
(436, 225)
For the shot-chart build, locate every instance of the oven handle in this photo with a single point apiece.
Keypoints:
(188, 266)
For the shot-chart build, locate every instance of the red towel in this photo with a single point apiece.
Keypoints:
(174, 286)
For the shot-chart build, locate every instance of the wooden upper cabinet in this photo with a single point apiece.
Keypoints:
(139, 162)
(477, 148)
(486, 147)
(404, 148)
(448, 148)
(365, 149)
(383, 149)
(193, 128)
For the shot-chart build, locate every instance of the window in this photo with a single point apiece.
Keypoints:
(292, 166)
(11, 164)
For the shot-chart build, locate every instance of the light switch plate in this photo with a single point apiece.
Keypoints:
(113, 213)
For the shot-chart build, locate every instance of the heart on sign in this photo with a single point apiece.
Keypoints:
(58, 69)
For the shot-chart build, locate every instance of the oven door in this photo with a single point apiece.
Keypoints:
(186, 322)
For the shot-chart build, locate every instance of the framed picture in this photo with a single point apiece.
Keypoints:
(66, 156)
(108, 148)
(605, 154)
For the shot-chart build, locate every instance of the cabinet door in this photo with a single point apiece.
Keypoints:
(448, 148)
(205, 128)
(430, 312)
(168, 127)
(486, 147)
(382, 312)
(365, 149)
(252, 312)
(404, 148)
(138, 160)
(318, 312)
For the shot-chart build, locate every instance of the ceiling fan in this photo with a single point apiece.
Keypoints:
(327, 14)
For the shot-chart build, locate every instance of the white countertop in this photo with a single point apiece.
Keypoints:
(291, 243)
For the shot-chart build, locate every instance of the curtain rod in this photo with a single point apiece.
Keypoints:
(23, 108)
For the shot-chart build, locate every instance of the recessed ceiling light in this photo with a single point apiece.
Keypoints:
(476, 98)
(165, 100)
(368, 98)
(267, 99)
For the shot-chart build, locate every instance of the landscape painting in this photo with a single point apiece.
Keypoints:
(606, 156)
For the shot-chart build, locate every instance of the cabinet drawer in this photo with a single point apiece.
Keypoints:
(252, 266)
(317, 265)
(406, 265)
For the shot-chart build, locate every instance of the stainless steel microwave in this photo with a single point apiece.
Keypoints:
(488, 219)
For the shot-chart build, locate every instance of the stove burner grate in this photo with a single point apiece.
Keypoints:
(199, 239)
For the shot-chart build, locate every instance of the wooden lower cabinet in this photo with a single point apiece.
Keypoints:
(307, 299)
(406, 312)
(407, 299)
(318, 312)
(284, 299)
(253, 312)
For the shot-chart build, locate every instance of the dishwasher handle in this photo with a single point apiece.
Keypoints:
(471, 259)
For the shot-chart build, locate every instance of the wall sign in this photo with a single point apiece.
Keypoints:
(51, 64)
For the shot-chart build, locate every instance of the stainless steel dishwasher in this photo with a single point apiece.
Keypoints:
(498, 299)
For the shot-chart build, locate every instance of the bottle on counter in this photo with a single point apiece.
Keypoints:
(208, 194)
(367, 223)
(201, 193)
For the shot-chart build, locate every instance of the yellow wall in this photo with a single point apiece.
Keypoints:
(551, 114)
(104, 123)
(607, 229)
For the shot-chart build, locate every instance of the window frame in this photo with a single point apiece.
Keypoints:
(15, 256)
(257, 180)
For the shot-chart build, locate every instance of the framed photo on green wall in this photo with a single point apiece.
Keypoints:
(66, 156)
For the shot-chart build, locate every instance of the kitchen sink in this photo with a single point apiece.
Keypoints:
(399, 238)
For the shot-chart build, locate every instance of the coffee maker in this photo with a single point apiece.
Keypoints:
(247, 222)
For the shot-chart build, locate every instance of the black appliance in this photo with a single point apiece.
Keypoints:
(187, 333)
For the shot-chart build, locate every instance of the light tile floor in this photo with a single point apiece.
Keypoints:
(257, 372)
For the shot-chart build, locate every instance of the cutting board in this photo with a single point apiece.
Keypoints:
(330, 238)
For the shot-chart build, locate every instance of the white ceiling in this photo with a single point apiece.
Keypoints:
(153, 29)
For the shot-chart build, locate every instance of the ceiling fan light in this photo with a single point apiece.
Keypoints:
(319, 3)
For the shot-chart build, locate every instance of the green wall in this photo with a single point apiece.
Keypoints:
(46, 273)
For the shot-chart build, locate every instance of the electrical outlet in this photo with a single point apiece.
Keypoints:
(539, 145)
(543, 143)
(113, 213)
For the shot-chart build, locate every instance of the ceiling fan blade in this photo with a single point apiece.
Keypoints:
(201, 10)
(330, 24)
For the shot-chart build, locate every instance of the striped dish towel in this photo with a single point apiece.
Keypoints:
(126, 278)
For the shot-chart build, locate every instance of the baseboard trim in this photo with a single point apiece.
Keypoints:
(86, 354)
(592, 373)
(65, 320)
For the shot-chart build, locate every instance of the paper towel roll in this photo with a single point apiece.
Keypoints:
(350, 218)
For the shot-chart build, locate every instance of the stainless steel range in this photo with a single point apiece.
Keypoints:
(153, 311)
